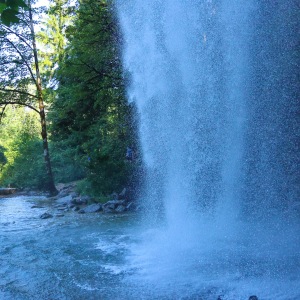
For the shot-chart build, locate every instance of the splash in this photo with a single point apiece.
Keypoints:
(215, 83)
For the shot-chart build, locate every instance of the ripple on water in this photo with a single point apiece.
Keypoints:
(102, 257)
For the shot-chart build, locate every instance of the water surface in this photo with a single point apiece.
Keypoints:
(97, 256)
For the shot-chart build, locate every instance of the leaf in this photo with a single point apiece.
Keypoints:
(9, 16)
(2, 7)
(15, 4)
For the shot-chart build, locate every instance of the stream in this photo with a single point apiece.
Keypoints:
(102, 256)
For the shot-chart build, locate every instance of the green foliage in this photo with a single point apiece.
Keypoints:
(66, 162)
(52, 37)
(90, 114)
(23, 150)
(9, 10)
(91, 123)
(20, 80)
(3, 159)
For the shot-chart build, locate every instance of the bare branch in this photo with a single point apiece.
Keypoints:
(19, 92)
(19, 103)
(18, 35)
(21, 55)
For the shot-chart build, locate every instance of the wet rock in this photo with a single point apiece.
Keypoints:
(67, 200)
(120, 209)
(61, 208)
(91, 208)
(108, 209)
(37, 206)
(62, 193)
(78, 201)
(253, 298)
(85, 199)
(59, 215)
(76, 208)
(73, 194)
(114, 203)
(46, 216)
(113, 206)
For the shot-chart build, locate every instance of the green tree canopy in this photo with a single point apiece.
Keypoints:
(90, 114)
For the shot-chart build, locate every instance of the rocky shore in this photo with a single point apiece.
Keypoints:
(68, 200)
(7, 191)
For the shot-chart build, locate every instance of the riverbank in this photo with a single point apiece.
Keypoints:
(69, 200)
(7, 191)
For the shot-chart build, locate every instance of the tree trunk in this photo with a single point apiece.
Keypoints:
(50, 182)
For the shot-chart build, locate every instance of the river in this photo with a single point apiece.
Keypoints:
(102, 256)
(71, 257)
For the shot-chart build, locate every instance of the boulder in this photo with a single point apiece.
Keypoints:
(85, 199)
(73, 194)
(113, 206)
(253, 298)
(46, 216)
(67, 200)
(62, 193)
(91, 208)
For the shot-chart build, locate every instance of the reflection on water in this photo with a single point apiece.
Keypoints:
(96, 256)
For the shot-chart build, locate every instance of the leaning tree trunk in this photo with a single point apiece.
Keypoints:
(50, 180)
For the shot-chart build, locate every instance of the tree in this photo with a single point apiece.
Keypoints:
(20, 78)
(90, 114)
(20, 136)
(52, 36)
(3, 159)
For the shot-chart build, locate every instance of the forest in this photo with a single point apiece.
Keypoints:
(64, 115)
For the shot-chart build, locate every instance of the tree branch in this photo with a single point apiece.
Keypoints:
(2, 113)
(19, 103)
(24, 60)
(18, 35)
(19, 92)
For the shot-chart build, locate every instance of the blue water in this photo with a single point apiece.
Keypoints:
(97, 256)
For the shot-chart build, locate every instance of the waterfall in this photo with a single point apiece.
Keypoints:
(215, 84)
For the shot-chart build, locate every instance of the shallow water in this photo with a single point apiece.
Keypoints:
(97, 256)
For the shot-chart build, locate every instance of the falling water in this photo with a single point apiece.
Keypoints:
(215, 84)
